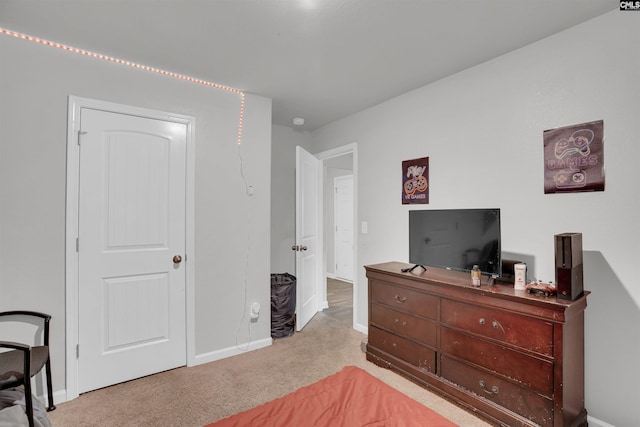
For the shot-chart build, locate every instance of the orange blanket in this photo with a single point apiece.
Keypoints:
(349, 398)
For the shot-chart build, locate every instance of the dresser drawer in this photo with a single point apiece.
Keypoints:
(518, 399)
(404, 324)
(522, 331)
(405, 299)
(530, 371)
(409, 351)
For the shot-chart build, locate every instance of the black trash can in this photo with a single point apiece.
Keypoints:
(283, 305)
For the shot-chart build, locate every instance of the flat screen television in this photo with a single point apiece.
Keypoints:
(456, 239)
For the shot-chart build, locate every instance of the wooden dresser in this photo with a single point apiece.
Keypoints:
(513, 358)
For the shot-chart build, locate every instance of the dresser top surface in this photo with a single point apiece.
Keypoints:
(462, 281)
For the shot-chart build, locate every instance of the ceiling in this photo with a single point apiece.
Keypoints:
(317, 59)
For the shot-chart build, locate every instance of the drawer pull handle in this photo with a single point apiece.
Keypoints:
(483, 386)
(400, 300)
(394, 345)
(482, 321)
(397, 322)
(495, 324)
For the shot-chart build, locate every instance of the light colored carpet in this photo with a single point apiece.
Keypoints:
(209, 392)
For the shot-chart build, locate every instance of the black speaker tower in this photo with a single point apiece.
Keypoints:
(569, 275)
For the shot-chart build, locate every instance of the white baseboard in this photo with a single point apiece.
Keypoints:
(330, 275)
(59, 396)
(231, 351)
(361, 328)
(594, 422)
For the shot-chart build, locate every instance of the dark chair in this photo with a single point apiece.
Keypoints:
(23, 361)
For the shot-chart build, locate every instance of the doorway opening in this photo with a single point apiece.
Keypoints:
(339, 300)
(339, 290)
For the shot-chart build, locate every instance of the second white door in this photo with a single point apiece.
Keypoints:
(308, 238)
(131, 247)
(343, 206)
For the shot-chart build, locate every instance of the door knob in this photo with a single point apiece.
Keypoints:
(177, 259)
(303, 248)
(295, 247)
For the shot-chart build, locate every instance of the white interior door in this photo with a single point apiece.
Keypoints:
(132, 234)
(343, 205)
(308, 245)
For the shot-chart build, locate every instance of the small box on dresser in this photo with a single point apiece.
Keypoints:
(513, 358)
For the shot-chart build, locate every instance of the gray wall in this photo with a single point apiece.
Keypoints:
(230, 227)
(482, 129)
(283, 193)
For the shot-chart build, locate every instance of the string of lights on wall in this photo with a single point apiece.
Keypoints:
(139, 66)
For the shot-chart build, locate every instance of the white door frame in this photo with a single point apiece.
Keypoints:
(326, 155)
(71, 234)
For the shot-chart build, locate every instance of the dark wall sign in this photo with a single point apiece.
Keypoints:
(574, 158)
(415, 181)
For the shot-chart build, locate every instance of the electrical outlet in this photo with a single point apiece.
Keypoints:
(254, 311)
